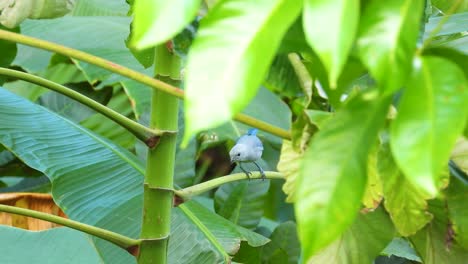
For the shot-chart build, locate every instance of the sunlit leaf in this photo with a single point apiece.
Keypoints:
(387, 40)
(431, 116)
(330, 27)
(158, 21)
(235, 44)
(333, 177)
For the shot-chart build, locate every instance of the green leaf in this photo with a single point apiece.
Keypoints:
(330, 27)
(454, 55)
(457, 195)
(388, 32)
(435, 243)
(242, 202)
(290, 164)
(8, 49)
(284, 245)
(100, 8)
(53, 246)
(400, 247)
(282, 78)
(452, 24)
(361, 243)
(99, 183)
(333, 177)
(405, 204)
(246, 36)
(139, 95)
(160, 20)
(431, 116)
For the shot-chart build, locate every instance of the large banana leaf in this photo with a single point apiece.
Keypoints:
(99, 183)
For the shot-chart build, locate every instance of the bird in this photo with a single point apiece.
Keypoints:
(248, 148)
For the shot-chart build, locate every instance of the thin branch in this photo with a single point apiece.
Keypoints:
(134, 75)
(115, 238)
(189, 192)
(140, 131)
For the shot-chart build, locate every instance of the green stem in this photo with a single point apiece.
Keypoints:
(189, 192)
(117, 239)
(140, 131)
(305, 80)
(134, 75)
(158, 191)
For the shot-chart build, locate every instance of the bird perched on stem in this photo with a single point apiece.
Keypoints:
(248, 148)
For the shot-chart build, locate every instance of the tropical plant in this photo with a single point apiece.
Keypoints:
(361, 107)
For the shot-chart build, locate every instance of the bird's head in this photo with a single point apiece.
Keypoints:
(238, 153)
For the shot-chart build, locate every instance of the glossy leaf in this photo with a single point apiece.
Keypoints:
(235, 45)
(53, 246)
(405, 204)
(435, 242)
(388, 33)
(333, 177)
(330, 27)
(160, 20)
(431, 116)
(284, 245)
(242, 202)
(361, 243)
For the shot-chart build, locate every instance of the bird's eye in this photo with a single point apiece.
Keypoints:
(238, 154)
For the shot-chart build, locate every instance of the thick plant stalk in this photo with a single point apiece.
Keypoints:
(158, 194)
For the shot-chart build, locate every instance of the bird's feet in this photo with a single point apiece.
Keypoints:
(263, 175)
(248, 174)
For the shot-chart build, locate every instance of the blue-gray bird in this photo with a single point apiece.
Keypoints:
(248, 148)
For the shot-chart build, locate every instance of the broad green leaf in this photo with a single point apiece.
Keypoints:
(235, 45)
(100, 8)
(106, 41)
(160, 20)
(435, 243)
(330, 27)
(461, 59)
(332, 181)
(388, 32)
(405, 203)
(401, 248)
(26, 184)
(99, 183)
(361, 243)
(431, 116)
(457, 195)
(242, 202)
(53, 246)
(284, 245)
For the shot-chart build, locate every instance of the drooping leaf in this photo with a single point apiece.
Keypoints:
(431, 116)
(361, 243)
(330, 27)
(242, 202)
(284, 245)
(405, 203)
(435, 243)
(159, 21)
(53, 246)
(333, 177)
(235, 44)
(388, 33)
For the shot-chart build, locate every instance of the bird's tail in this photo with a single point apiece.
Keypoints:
(252, 132)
